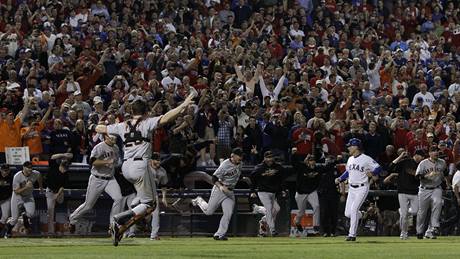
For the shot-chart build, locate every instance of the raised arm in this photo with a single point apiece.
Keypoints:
(172, 114)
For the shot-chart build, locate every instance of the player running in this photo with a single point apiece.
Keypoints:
(431, 173)
(359, 169)
(225, 179)
(267, 177)
(136, 133)
(103, 159)
(22, 197)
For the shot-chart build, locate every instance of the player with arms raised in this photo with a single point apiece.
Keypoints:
(360, 168)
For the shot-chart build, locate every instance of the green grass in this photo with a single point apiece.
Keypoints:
(315, 247)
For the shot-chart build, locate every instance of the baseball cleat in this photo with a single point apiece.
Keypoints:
(155, 238)
(326, 235)
(350, 239)
(299, 227)
(274, 234)
(404, 236)
(71, 228)
(419, 236)
(220, 238)
(114, 233)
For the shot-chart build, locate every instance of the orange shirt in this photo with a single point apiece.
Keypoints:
(33, 140)
(10, 136)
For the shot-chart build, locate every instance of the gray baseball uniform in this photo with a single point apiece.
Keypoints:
(101, 179)
(25, 199)
(430, 193)
(228, 174)
(161, 178)
(137, 154)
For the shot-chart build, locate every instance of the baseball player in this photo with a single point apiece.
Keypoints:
(161, 179)
(56, 179)
(225, 179)
(431, 174)
(404, 168)
(103, 159)
(267, 177)
(359, 169)
(136, 133)
(456, 190)
(6, 188)
(22, 196)
(129, 194)
(307, 182)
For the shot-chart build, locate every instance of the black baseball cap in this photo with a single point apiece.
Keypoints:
(237, 151)
(268, 154)
(420, 152)
(156, 156)
(27, 164)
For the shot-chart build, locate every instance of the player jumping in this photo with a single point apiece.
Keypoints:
(136, 133)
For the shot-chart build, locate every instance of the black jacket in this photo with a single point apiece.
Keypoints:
(268, 178)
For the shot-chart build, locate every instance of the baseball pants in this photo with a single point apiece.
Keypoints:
(355, 199)
(95, 187)
(17, 202)
(271, 208)
(6, 210)
(139, 173)
(427, 198)
(408, 204)
(227, 201)
(126, 202)
(301, 200)
(51, 199)
(155, 221)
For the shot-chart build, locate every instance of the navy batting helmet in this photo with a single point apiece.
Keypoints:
(354, 142)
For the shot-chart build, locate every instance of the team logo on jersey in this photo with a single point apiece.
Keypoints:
(355, 167)
(270, 172)
(231, 173)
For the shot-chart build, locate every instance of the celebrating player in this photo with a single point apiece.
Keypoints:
(307, 183)
(403, 167)
(6, 183)
(103, 160)
(22, 196)
(136, 133)
(359, 169)
(431, 174)
(225, 179)
(56, 180)
(267, 177)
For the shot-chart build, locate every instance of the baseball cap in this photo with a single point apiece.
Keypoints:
(237, 151)
(429, 135)
(155, 156)
(27, 164)
(4, 167)
(78, 92)
(420, 152)
(97, 99)
(442, 143)
(354, 142)
(434, 148)
(268, 154)
(310, 157)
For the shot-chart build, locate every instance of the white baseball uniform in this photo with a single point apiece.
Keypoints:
(25, 199)
(357, 168)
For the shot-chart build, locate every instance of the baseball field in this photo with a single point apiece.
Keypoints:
(317, 247)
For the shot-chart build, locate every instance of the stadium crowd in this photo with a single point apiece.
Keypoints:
(293, 77)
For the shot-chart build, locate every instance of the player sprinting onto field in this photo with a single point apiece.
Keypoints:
(225, 179)
(103, 159)
(137, 147)
(359, 169)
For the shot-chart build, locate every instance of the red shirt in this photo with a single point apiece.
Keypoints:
(415, 145)
(400, 138)
(303, 137)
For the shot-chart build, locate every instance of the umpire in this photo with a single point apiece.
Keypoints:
(268, 178)
(403, 168)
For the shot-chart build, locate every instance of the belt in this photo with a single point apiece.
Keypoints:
(102, 177)
(134, 159)
(357, 185)
(430, 188)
